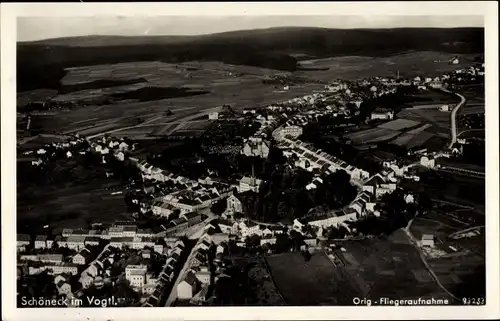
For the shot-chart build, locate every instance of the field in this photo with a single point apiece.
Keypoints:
(74, 197)
(410, 64)
(392, 267)
(403, 132)
(238, 86)
(314, 282)
(458, 263)
(384, 267)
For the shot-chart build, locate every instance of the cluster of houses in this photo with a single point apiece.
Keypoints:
(110, 146)
(48, 151)
(204, 269)
(311, 158)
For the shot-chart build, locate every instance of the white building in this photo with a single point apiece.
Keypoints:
(428, 161)
(249, 184)
(188, 287)
(428, 240)
(136, 275)
(213, 116)
(41, 242)
(256, 146)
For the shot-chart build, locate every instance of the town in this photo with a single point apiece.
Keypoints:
(267, 187)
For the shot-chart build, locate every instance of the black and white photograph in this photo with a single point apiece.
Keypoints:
(251, 160)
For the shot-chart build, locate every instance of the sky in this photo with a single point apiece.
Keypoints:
(38, 28)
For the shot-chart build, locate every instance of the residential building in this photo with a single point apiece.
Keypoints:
(428, 161)
(249, 184)
(136, 275)
(382, 113)
(50, 258)
(41, 242)
(188, 287)
(76, 242)
(22, 241)
(427, 240)
(241, 203)
(82, 257)
(213, 116)
(256, 146)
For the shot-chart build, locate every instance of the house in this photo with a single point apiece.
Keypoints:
(86, 280)
(298, 225)
(213, 116)
(444, 108)
(64, 288)
(22, 241)
(256, 146)
(250, 228)
(241, 203)
(455, 60)
(76, 242)
(226, 226)
(249, 184)
(192, 218)
(41, 242)
(269, 240)
(82, 257)
(136, 275)
(218, 238)
(203, 276)
(188, 287)
(428, 161)
(50, 258)
(428, 240)
(146, 254)
(90, 241)
(382, 113)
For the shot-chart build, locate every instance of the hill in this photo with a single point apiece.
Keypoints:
(270, 48)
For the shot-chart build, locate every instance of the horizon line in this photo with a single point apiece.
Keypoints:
(239, 30)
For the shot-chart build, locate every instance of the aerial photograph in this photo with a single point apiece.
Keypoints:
(194, 161)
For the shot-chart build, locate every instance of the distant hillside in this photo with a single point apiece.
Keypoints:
(41, 63)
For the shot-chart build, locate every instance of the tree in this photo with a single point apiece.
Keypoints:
(218, 207)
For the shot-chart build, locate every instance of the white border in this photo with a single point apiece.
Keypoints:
(9, 13)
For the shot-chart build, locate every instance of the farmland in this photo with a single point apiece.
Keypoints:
(458, 263)
(386, 266)
(314, 282)
(409, 64)
(72, 197)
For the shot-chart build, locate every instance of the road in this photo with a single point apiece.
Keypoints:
(454, 118)
(422, 257)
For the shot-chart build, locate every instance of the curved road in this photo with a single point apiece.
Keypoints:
(454, 119)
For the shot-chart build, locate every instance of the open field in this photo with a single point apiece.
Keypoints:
(399, 124)
(392, 267)
(382, 267)
(397, 130)
(243, 90)
(410, 64)
(73, 196)
(314, 282)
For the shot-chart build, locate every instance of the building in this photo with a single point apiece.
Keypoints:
(213, 116)
(256, 146)
(50, 258)
(287, 131)
(162, 209)
(428, 161)
(41, 242)
(428, 240)
(444, 108)
(203, 276)
(249, 184)
(188, 287)
(455, 60)
(136, 275)
(241, 203)
(22, 241)
(75, 242)
(82, 257)
(382, 113)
